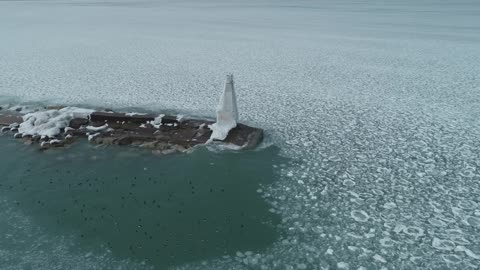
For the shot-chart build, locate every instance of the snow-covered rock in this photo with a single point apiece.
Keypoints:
(50, 123)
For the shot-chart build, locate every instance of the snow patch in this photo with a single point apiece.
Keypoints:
(157, 122)
(97, 129)
(134, 113)
(92, 136)
(50, 123)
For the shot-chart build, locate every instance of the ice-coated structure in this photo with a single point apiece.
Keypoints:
(227, 113)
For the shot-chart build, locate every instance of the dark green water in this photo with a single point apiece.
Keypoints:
(164, 210)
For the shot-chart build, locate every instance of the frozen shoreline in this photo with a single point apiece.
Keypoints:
(165, 134)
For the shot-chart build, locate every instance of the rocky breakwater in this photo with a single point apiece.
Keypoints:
(163, 134)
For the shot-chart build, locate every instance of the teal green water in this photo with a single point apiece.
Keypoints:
(164, 210)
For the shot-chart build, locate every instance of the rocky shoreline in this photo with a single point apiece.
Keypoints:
(163, 134)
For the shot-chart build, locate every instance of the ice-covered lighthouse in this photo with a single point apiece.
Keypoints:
(227, 113)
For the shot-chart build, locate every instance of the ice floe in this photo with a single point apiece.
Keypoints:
(359, 215)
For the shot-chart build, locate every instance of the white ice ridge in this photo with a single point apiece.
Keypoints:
(49, 123)
(227, 113)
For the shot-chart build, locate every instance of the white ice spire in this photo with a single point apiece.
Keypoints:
(227, 113)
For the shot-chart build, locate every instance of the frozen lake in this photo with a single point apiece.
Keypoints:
(376, 105)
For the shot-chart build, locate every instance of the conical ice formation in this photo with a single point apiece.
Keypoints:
(227, 113)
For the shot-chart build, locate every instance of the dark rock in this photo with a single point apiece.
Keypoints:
(57, 143)
(76, 123)
(169, 119)
(124, 140)
(44, 145)
(120, 117)
(54, 107)
(105, 140)
(7, 120)
(152, 144)
(78, 133)
(245, 136)
(69, 139)
(254, 139)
